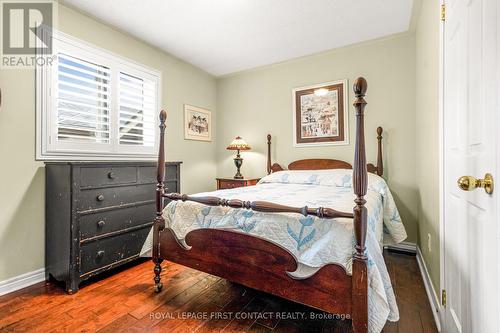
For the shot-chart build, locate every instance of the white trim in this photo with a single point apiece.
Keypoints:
(441, 158)
(47, 149)
(429, 288)
(22, 281)
(103, 52)
(498, 146)
(408, 247)
(346, 115)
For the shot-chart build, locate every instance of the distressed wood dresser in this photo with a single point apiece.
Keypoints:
(98, 215)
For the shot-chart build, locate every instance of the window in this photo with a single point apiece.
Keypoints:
(92, 104)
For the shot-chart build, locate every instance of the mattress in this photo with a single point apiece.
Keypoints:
(314, 241)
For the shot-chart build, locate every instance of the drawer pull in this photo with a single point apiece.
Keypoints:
(100, 197)
(111, 175)
(101, 223)
(100, 255)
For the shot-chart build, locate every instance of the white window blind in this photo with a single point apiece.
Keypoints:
(137, 111)
(92, 104)
(83, 101)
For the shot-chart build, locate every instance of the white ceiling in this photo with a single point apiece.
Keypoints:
(226, 36)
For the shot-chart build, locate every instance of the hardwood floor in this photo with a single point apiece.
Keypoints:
(191, 301)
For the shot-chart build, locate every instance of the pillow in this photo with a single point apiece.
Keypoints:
(327, 177)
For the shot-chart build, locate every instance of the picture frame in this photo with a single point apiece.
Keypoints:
(197, 123)
(321, 114)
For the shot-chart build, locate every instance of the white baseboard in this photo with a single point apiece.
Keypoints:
(429, 288)
(403, 247)
(22, 281)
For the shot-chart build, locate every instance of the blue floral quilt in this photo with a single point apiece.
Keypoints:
(314, 241)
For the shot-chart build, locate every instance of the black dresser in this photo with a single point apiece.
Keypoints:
(98, 215)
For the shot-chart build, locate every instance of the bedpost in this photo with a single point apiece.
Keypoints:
(271, 167)
(159, 223)
(377, 169)
(269, 154)
(360, 184)
(380, 163)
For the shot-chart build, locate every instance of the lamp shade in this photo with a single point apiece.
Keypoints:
(238, 144)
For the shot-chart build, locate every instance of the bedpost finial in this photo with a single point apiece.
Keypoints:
(360, 86)
(379, 131)
(163, 116)
(269, 168)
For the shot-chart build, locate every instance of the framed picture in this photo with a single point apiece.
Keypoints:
(197, 123)
(320, 115)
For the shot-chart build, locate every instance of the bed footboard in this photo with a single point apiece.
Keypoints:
(260, 264)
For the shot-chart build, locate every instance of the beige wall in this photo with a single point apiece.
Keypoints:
(402, 72)
(427, 122)
(22, 178)
(254, 103)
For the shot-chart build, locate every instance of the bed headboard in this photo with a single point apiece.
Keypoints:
(325, 163)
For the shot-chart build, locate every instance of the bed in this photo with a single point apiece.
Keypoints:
(295, 234)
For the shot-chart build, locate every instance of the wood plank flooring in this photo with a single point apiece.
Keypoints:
(192, 301)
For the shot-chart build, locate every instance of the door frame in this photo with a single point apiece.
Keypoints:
(441, 168)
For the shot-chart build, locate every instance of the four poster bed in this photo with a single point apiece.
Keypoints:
(241, 255)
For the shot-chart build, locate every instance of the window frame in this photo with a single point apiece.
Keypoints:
(47, 145)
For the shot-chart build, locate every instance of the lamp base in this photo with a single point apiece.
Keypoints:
(238, 161)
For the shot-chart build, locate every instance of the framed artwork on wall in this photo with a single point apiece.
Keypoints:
(197, 123)
(321, 115)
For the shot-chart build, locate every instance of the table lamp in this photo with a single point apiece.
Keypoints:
(238, 144)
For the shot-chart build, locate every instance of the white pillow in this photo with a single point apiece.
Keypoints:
(327, 177)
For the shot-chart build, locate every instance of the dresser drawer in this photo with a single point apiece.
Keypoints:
(107, 251)
(226, 183)
(147, 174)
(171, 187)
(230, 184)
(113, 196)
(97, 224)
(107, 175)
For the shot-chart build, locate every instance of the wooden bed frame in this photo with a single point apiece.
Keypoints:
(263, 265)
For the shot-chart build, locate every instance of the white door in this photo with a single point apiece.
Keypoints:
(470, 147)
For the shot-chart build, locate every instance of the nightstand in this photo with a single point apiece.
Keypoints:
(225, 183)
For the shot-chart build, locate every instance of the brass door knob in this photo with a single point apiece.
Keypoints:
(469, 183)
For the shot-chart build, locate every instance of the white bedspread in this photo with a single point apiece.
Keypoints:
(314, 241)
